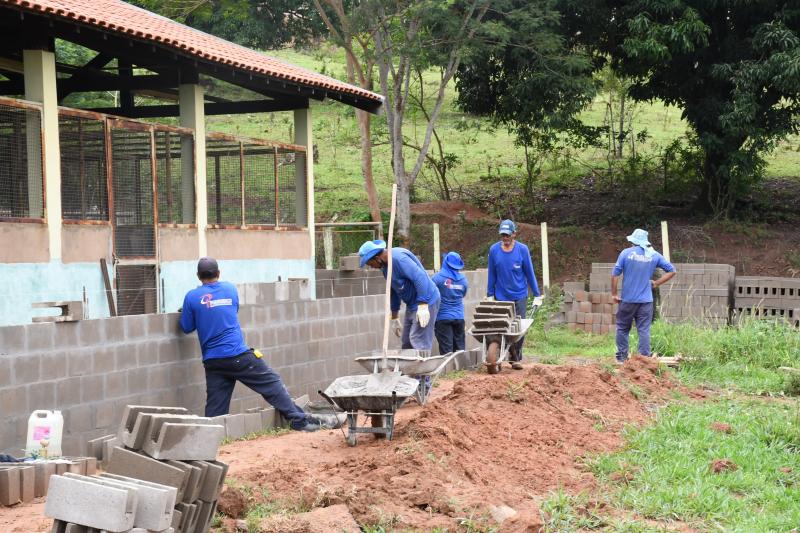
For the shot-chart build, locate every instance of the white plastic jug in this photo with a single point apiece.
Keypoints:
(47, 426)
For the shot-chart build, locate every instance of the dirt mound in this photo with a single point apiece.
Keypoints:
(493, 441)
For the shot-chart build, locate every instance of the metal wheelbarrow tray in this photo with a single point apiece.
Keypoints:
(418, 363)
(377, 395)
(503, 341)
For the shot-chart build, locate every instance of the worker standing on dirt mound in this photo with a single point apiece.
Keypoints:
(452, 285)
(637, 265)
(510, 275)
(410, 284)
(212, 310)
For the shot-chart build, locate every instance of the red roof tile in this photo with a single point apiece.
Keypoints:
(120, 17)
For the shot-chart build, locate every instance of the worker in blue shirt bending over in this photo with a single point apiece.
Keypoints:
(411, 285)
(510, 275)
(212, 310)
(636, 265)
(452, 285)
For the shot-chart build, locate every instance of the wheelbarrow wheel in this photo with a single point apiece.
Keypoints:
(352, 439)
(492, 354)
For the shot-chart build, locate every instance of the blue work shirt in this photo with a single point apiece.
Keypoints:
(212, 310)
(510, 273)
(410, 282)
(637, 271)
(452, 286)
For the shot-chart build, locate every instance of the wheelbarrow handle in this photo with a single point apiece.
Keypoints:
(329, 400)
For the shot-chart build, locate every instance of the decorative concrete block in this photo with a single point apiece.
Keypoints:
(132, 464)
(213, 481)
(74, 500)
(156, 501)
(188, 511)
(194, 483)
(41, 478)
(185, 441)
(204, 516)
(132, 429)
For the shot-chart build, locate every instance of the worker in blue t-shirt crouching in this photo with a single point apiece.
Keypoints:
(452, 285)
(636, 265)
(510, 275)
(212, 309)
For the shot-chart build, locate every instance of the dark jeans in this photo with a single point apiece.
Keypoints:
(449, 335)
(253, 372)
(515, 350)
(627, 313)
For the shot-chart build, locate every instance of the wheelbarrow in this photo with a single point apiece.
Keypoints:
(496, 344)
(416, 363)
(377, 395)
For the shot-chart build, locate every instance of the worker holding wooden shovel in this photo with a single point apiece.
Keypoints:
(410, 284)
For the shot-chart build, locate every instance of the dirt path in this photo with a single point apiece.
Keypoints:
(481, 441)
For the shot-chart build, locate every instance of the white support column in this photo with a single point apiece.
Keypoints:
(665, 240)
(192, 115)
(437, 258)
(40, 86)
(545, 261)
(305, 189)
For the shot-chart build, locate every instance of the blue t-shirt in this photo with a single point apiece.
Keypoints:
(637, 271)
(510, 273)
(212, 310)
(452, 287)
(410, 282)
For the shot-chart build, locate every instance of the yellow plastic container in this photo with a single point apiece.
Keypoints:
(45, 429)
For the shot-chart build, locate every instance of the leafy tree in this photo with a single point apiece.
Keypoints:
(732, 66)
(524, 73)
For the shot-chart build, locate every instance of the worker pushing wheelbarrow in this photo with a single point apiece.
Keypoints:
(502, 320)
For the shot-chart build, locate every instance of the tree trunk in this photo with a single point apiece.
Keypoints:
(403, 212)
(364, 126)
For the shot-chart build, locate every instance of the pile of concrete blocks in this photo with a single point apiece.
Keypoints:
(496, 317)
(699, 293)
(590, 311)
(766, 297)
(22, 482)
(161, 476)
(291, 290)
(349, 262)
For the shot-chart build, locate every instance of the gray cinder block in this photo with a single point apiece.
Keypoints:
(234, 426)
(131, 431)
(94, 447)
(154, 510)
(10, 485)
(41, 478)
(213, 481)
(75, 500)
(252, 423)
(185, 442)
(193, 484)
(132, 464)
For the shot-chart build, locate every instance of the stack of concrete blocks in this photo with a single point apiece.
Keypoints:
(349, 281)
(590, 311)
(699, 293)
(766, 297)
(170, 447)
(24, 481)
(292, 290)
(92, 369)
(493, 317)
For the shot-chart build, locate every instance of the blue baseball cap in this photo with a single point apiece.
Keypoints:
(508, 227)
(454, 261)
(369, 250)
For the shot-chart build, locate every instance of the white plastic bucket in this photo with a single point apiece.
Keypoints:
(46, 426)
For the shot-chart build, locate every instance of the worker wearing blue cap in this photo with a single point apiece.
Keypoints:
(452, 285)
(510, 276)
(636, 265)
(410, 284)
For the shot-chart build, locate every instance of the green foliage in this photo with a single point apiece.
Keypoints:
(665, 469)
(731, 66)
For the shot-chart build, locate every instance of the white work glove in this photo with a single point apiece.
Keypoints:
(397, 327)
(423, 315)
(489, 298)
(537, 302)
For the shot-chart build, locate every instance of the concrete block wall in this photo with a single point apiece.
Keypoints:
(701, 293)
(342, 283)
(91, 370)
(767, 297)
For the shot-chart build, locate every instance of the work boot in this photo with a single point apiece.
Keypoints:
(310, 427)
(327, 421)
(516, 365)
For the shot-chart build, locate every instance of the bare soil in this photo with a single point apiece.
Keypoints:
(481, 443)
